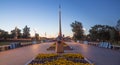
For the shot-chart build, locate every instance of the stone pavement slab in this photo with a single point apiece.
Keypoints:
(20, 56)
(99, 56)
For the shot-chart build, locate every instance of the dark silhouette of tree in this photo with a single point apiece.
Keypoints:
(36, 36)
(103, 33)
(118, 25)
(26, 32)
(3, 34)
(13, 33)
(77, 30)
(118, 29)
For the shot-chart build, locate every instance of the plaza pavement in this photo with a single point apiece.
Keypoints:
(99, 56)
(20, 56)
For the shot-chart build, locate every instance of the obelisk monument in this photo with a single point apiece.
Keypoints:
(59, 43)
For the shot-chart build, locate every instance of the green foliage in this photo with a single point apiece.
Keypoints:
(118, 25)
(37, 36)
(4, 43)
(103, 33)
(26, 32)
(3, 34)
(77, 30)
(118, 29)
(9, 42)
(13, 33)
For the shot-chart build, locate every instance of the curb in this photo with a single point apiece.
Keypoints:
(89, 61)
(30, 61)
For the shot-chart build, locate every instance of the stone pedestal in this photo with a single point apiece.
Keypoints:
(59, 47)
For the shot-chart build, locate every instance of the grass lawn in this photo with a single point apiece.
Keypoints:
(4, 43)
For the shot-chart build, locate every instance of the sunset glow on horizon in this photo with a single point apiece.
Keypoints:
(43, 15)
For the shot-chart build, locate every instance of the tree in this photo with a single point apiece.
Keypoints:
(118, 29)
(3, 34)
(103, 33)
(26, 32)
(13, 33)
(118, 25)
(77, 30)
(37, 36)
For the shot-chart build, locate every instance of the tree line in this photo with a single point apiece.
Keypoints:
(97, 32)
(5, 35)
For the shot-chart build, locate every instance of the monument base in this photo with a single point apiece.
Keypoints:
(59, 47)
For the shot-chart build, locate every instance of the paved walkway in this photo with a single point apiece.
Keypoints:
(20, 56)
(100, 56)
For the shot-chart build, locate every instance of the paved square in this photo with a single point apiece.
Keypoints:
(100, 56)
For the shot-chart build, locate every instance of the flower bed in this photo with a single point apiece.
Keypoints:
(62, 59)
(66, 47)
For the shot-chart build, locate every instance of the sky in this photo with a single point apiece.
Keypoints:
(42, 16)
